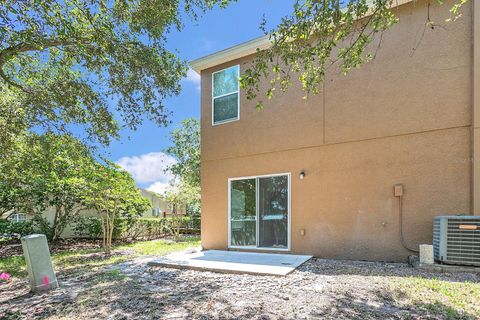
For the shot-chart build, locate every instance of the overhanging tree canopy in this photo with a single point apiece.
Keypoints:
(317, 35)
(63, 60)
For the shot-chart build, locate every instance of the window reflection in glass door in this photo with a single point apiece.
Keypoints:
(259, 212)
(273, 212)
(243, 213)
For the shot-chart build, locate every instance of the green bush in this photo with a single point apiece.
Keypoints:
(134, 228)
(9, 228)
(194, 222)
(43, 226)
(91, 227)
(87, 227)
(148, 228)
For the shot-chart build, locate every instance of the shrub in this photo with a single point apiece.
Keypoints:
(22, 228)
(134, 228)
(87, 227)
(194, 222)
(146, 228)
(14, 230)
(43, 226)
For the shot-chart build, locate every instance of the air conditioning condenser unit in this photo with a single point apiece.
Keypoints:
(456, 240)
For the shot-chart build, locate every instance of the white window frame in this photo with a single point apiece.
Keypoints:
(289, 222)
(226, 94)
(16, 217)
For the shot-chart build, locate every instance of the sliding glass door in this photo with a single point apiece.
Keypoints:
(273, 212)
(243, 214)
(259, 212)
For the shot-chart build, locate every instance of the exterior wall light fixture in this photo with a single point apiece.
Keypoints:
(302, 175)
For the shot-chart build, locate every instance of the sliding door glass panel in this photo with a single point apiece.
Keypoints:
(243, 224)
(273, 212)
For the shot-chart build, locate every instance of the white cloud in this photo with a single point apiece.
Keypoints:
(159, 187)
(193, 77)
(149, 167)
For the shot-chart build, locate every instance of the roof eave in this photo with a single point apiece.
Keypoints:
(232, 53)
(247, 48)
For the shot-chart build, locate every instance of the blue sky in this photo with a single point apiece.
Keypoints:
(140, 152)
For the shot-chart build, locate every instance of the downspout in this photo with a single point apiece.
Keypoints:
(475, 193)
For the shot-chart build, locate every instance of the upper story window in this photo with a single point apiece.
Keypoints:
(225, 95)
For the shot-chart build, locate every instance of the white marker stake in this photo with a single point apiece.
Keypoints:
(39, 264)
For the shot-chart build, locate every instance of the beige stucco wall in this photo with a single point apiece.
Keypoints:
(68, 231)
(404, 118)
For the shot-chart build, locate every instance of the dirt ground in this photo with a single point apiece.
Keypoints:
(319, 289)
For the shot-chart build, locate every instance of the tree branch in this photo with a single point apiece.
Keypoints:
(13, 83)
(22, 47)
(10, 52)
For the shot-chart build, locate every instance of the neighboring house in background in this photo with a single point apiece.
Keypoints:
(160, 208)
(317, 176)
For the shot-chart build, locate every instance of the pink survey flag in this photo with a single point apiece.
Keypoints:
(4, 276)
(46, 281)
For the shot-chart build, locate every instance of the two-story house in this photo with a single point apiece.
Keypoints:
(359, 170)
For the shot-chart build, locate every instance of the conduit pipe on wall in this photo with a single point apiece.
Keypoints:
(400, 213)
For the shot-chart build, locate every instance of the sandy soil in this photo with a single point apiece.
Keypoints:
(319, 289)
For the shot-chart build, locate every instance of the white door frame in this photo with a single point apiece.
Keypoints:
(289, 207)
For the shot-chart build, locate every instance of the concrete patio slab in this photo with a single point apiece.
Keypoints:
(233, 262)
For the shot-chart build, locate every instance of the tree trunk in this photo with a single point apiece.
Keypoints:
(107, 233)
(176, 223)
(39, 220)
(111, 226)
(60, 222)
(55, 223)
(104, 231)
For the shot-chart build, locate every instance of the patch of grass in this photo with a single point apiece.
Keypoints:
(111, 275)
(451, 300)
(160, 247)
(72, 258)
(89, 257)
(15, 265)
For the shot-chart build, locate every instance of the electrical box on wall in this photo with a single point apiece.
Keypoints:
(398, 190)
